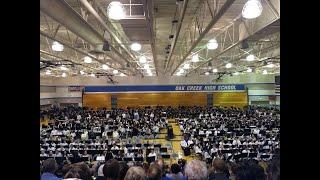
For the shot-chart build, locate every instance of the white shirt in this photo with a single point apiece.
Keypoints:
(43, 155)
(151, 154)
(197, 149)
(206, 155)
(185, 143)
(213, 150)
(130, 155)
(115, 134)
(125, 150)
(114, 148)
(155, 129)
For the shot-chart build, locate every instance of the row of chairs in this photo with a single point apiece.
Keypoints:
(126, 159)
(110, 146)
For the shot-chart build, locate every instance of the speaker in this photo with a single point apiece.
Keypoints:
(244, 44)
(106, 46)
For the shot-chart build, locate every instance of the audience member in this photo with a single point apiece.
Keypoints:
(135, 173)
(111, 169)
(49, 167)
(154, 172)
(123, 168)
(176, 173)
(196, 170)
(219, 169)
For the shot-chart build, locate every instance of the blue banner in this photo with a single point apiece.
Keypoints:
(163, 88)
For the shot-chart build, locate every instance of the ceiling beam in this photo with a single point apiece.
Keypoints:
(63, 13)
(81, 64)
(75, 49)
(240, 25)
(109, 29)
(213, 21)
(177, 32)
(148, 8)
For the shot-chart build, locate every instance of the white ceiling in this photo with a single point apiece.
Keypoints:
(264, 39)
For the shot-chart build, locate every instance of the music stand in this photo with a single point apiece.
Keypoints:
(163, 150)
(139, 159)
(127, 159)
(165, 156)
(151, 159)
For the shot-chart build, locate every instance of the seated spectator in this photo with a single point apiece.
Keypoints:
(250, 171)
(154, 172)
(175, 173)
(135, 173)
(73, 173)
(100, 175)
(219, 169)
(152, 154)
(49, 167)
(123, 168)
(111, 169)
(273, 170)
(196, 170)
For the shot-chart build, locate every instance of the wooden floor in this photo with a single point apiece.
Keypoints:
(176, 150)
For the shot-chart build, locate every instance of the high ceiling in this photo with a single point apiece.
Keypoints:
(170, 32)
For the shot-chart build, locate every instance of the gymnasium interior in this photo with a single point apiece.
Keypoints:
(160, 89)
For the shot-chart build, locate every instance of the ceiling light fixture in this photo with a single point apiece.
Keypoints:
(215, 70)
(105, 67)
(146, 66)
(252, 9)
(56, 46)
(135, 46)
(249, 70)
(212, 44)
(229, 65)
(122, 74)
(186, 66)
(87, 59)
(82, 73)
(92, 75)
(64, 75)
(142, 59)
(207, 73)
(195, 58)
(264, 72)
(181, 71)
(115, 71)
(148, 71)
(250, 57)
(116, 10)
(48, 72)
(63, 68)
(270, 65)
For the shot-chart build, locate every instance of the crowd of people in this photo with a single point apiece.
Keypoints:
(159, 170)
(84, 134)
(230, 143)
(232, 134)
